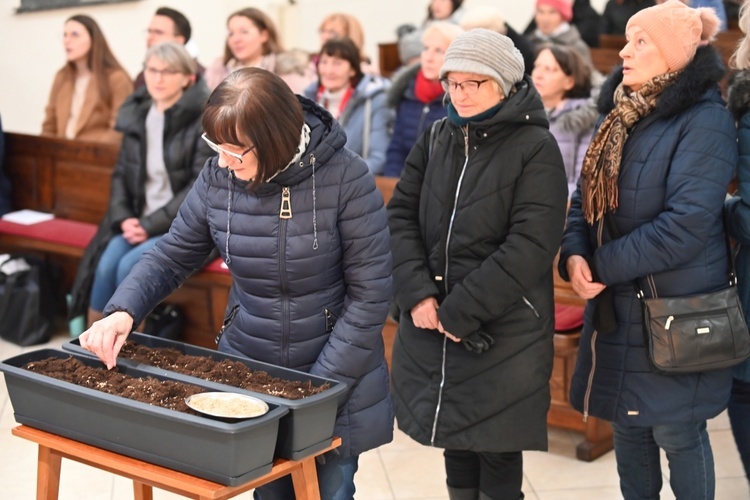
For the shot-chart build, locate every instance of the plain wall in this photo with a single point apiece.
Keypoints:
(32, 42)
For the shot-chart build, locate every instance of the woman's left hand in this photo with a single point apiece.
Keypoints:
(444, 332)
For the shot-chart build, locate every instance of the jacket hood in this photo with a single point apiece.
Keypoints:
(401, 81)
(738, 93)
(523, 107)
(702, 74)
(576, 115)
(137, 104)
(326, 137)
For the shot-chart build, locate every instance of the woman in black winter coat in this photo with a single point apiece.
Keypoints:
(160, 157)
(303, 230)
(476, 220)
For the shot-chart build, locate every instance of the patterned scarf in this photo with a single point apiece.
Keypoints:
(601, 165)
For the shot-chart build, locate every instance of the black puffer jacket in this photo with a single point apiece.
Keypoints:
(500, 213)
(184, 156)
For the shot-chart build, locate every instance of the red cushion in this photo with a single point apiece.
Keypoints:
(568, 318)
(61, 231)
(216, 266)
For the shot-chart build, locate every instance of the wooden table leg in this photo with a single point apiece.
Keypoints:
(48, 474)
(305, 480)
(142, 491)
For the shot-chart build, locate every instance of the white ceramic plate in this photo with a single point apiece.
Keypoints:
(227, 405)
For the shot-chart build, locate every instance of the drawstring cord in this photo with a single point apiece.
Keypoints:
(230, 192)
(315, 214)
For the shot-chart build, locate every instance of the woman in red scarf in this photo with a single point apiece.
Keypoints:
(417, 96)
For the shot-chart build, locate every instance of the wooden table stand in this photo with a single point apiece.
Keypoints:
(145, 476)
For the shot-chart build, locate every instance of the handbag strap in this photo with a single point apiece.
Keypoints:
(612, 228)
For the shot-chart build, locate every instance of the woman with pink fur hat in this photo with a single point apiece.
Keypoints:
(648, 214)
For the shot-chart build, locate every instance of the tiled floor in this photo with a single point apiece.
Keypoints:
(399, 470)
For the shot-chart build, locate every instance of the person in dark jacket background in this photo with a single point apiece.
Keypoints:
(738, 223)
(648, 211)
(476, 225)
(302, 228)
(160, 157)
(617, 13)
(417, 95)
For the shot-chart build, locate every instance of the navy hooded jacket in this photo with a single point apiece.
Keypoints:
(310, 292)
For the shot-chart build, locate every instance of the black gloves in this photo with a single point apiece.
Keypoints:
(478, 342)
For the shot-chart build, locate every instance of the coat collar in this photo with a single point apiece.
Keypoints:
(699, 77)
(738, 94)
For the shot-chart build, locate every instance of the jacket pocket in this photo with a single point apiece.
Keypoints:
(228, 320)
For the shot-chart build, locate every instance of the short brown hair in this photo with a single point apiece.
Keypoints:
(572, 64)
(253, 104)
(344, 48)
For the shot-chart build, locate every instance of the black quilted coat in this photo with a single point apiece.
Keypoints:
(477, 224)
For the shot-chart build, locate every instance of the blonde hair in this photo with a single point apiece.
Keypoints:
(352, 26)
(741, 57)
(446, 29)
(484, 16)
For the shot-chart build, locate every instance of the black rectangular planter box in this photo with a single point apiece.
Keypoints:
(223, 452)
(306, 429)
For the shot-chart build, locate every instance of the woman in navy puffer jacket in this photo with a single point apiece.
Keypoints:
(650, 212)
(308, 247)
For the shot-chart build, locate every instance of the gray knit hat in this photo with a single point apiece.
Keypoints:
(488, 53)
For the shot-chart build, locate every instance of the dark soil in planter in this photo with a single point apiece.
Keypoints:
(165, 393)
(226, 372)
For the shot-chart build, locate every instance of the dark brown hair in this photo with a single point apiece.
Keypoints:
(344, 48)
(181, 23)
(572, 64)
(101, 61)
(254, 105)
(264, 23)
(456, 4)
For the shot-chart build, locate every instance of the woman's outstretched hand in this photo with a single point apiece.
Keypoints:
(106, 337)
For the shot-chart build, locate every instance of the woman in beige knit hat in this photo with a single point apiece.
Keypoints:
(648, 214)
(476, 220)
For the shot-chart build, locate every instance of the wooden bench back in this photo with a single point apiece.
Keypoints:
(67, 178)
(388, 58)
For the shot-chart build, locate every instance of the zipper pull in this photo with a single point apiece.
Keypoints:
(669, 322)
(286, 204)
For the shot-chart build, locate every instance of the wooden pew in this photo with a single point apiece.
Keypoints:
(388, 58)
(605, 59)
(71, 180)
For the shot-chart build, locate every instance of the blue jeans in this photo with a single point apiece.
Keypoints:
(114, 265)
(691, 462)
(739, 416)
(335, 477)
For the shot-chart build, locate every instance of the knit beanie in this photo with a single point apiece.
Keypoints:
(485, 52)
(410, 46)
(677, 30)
(564, 7)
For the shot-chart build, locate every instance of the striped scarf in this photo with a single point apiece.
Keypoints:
(601, 165)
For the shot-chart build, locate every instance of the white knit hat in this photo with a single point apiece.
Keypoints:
(485, 52)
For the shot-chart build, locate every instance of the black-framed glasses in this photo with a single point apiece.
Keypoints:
(468, 87)
(222, 151)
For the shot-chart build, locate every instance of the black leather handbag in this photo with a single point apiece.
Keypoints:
(694, 333)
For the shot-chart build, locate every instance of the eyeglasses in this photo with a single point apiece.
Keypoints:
(159, 72)
(228, 154)
(468, 87)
